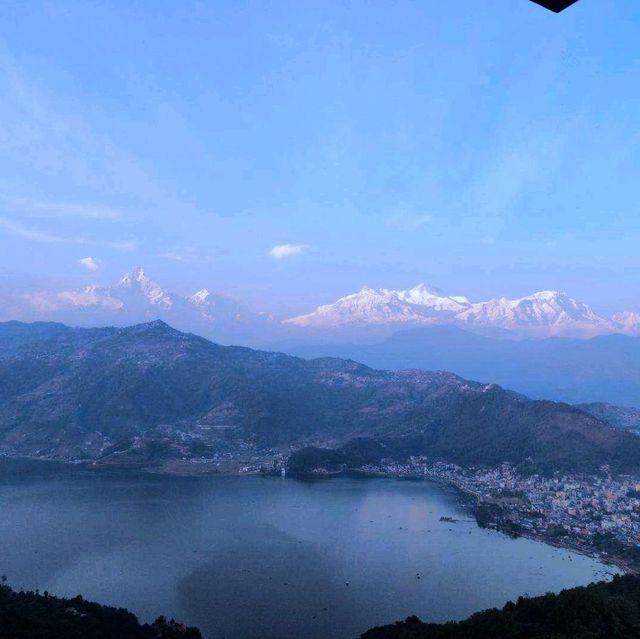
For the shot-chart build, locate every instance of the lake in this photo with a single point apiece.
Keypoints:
(248, 557)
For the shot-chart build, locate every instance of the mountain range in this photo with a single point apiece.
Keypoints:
(138, 298)
(541, 314)
(149, 392)
(360, 316)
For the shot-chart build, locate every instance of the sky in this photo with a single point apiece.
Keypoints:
(288, 153)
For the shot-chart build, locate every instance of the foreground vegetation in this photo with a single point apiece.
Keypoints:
(598, 611)
(31, 615)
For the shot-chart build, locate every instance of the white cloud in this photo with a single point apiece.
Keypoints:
(89, 263)
(281, 251)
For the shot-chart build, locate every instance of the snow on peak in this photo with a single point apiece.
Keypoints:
(418, 305)
(200, 297)
(543, 313)
(627, 322)
(137, 280)
(550, 312)
(136, 298)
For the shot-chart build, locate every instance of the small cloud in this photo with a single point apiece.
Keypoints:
(89, 263)
(282, 251)
(409, 222)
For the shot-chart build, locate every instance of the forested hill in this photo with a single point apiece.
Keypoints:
(91, 393)
(598, 611)
(30, 615)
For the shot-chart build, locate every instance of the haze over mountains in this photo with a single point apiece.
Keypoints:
(605, 368)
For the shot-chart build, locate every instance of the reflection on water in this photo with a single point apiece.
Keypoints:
(244, 557)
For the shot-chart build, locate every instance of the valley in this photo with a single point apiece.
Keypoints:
(151, 398)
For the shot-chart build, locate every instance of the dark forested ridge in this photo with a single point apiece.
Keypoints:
(30, 615)
(94, 393)
(598, 611)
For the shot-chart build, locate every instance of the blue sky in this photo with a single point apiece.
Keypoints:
(488, 147)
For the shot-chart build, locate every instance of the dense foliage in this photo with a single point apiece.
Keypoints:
(599, 611)
(89, 393)
(30, 615)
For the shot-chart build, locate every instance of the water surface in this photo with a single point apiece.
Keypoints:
(248, 557)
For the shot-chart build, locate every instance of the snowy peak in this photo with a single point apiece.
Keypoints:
(367, 307)
(200, 297)
(421, 293)
(137, 281)
(627, 322)
(420, 305)
(542, 313)
(136, 298)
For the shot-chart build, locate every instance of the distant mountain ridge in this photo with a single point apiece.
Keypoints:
(149, 392)
(541, 314)
(605, 368)
(619, 416)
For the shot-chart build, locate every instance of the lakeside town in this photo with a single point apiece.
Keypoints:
(597, 515)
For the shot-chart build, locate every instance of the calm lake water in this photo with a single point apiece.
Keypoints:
(249, 557)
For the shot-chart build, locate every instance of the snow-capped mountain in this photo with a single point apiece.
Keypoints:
(628, 321)
(140, 288)
(541, 314)
(137, 298)
(544, 313)
(419, 305)
(368, 314)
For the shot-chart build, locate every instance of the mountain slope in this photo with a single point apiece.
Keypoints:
(419, 305)
(541, 314)
(602, 369)
(15, 335)
(94, 392)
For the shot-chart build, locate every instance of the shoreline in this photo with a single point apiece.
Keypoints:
(578, 548)
(472, 498)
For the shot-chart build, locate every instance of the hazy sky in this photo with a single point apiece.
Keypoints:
(288, 153)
